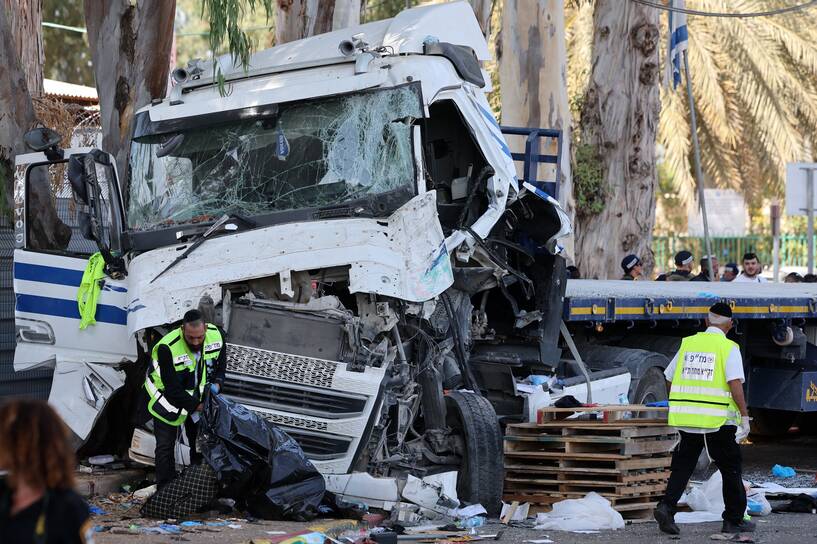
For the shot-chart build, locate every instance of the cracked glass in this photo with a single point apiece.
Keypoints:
(315, 154)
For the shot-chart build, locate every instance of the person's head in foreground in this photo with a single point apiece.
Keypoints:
(37, 498)
(720, 316)
(34, 446)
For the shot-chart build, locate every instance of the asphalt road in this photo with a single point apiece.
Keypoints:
(798, 452)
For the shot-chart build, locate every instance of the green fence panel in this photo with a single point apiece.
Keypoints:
(793, 249)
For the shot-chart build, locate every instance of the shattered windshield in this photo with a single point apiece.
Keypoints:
(307, 155)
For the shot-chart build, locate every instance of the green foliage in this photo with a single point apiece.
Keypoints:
(67, 56)
(671, 211)
(588, 181)
(226, 17)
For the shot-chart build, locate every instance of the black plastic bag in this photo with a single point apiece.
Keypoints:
(261, 467)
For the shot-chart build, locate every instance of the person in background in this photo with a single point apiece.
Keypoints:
(573, 273)
(38, 503)
(810, 278)
(793, 277)
(708, 407)
(751, 269)
(631, 265)
(703, 275)
(683, 267)
(730, 272)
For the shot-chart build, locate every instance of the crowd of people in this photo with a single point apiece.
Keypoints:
(632, 268)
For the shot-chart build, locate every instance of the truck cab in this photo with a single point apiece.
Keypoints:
(347, 209)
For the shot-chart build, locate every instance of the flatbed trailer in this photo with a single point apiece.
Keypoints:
(640, 324)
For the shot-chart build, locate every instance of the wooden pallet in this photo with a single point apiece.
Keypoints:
(618, 438)
(624, 460)
(605, 413)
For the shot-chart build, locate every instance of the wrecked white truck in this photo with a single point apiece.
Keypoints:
(349, 213)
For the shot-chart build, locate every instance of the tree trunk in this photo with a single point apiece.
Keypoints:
(25, 19)
(618, 122)
(532, 58)
(16, 118)
(130, 44)
(482, 9)
(296, 19)
(346, 14)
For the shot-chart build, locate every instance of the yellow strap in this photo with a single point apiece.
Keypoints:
(89, 289)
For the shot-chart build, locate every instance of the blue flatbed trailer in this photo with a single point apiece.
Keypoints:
(781, 379)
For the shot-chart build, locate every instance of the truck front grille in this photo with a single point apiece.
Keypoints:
(272, 365)
(293, 398)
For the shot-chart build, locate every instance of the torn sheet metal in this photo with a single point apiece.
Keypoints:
(80, 391)
(436, 493)
(383, 493)
(400, 257)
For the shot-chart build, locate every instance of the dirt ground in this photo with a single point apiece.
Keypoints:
(796, 451)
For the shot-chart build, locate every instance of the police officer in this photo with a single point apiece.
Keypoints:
(184, 361)
(631, 265)
(707, 405)
(683, 267)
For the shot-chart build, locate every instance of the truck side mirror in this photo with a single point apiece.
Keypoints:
(45, 140)
(75, 173)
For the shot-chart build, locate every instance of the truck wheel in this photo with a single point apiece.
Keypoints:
(652, 387)
(766, 422)
(481, 473)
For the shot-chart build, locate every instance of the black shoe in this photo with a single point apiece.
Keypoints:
(665, 518)
(734, 528)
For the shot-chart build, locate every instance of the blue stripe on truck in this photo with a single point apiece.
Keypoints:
(61, 307)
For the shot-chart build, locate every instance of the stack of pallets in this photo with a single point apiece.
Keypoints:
(626, 460)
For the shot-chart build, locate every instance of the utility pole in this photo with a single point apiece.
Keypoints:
(698, 172)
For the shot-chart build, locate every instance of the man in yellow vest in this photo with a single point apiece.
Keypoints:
(183, 362)
(707, 405)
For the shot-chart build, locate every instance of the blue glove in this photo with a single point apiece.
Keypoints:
(214, 388)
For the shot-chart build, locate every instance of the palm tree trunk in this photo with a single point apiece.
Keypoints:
(619, 120)
(532, 58)
(130, 44)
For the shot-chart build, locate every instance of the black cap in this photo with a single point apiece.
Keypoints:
(629, 262)
(731, 267)
(683, 257)
(721, 308)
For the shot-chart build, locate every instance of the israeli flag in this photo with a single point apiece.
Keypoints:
(678, 43)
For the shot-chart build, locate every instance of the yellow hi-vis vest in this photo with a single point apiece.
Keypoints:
(700, 396)
(184, 363)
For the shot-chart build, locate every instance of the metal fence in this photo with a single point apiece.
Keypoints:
(793, 249)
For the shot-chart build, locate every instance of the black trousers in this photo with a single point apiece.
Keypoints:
(725, 452)
(165, 456)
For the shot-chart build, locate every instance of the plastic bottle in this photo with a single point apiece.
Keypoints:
(622, 399)
(473, 522)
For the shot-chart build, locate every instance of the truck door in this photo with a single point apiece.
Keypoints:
(56, 232)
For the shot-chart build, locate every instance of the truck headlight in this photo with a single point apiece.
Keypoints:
(34, 331)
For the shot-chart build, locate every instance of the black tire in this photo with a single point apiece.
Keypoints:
(652, 387)
(482, 472)
(766, 422)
